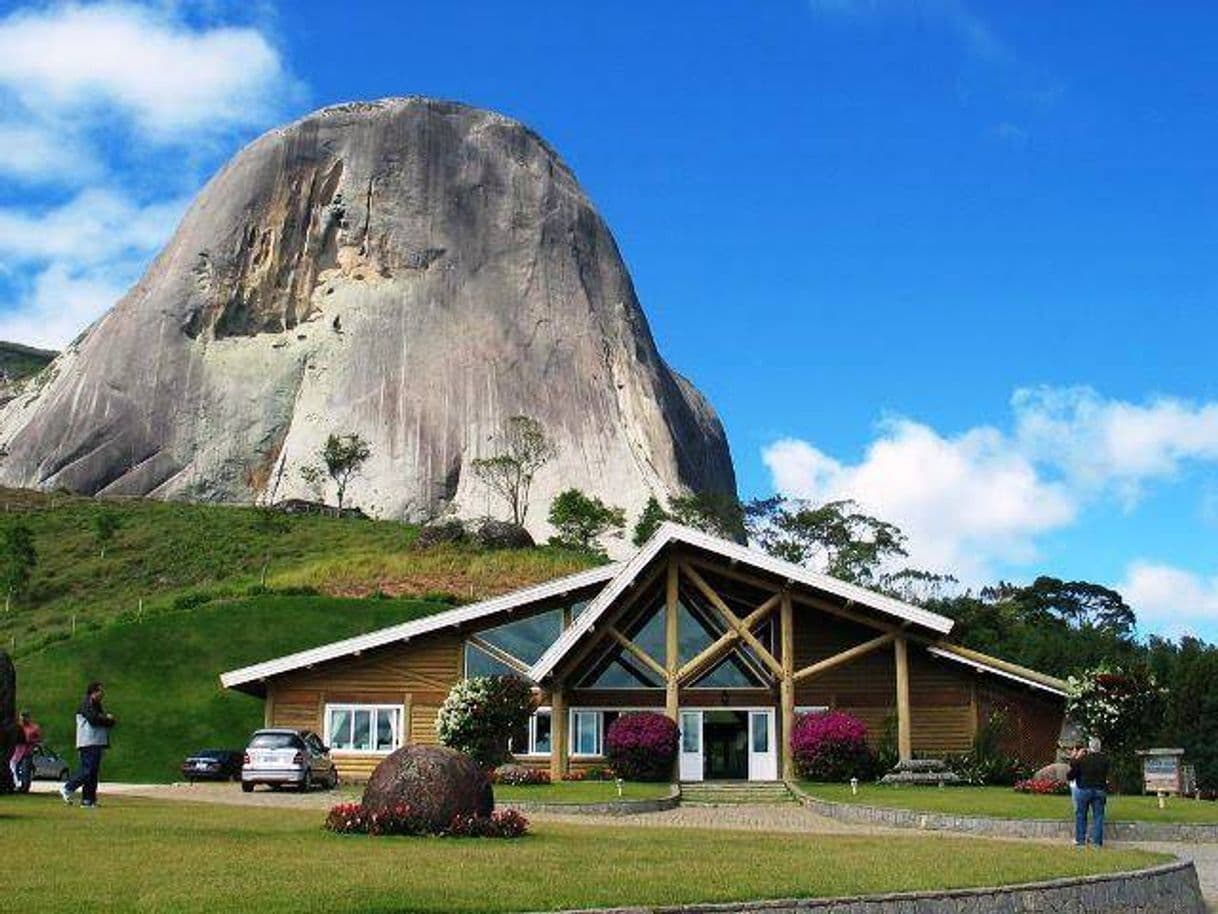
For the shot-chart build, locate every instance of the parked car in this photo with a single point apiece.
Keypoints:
(213, 765)
(287, 757)
(49, 765)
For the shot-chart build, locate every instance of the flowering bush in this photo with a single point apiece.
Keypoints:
(831, 747)
(594, 773)
(354, 819)
(642, 746)
(508, 823)
(1043, 786)
(1119, 706)
(481, 713)
(520, 776)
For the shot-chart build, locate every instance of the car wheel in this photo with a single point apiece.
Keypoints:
(247, 787)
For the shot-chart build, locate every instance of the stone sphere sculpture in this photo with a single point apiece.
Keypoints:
(436, 782)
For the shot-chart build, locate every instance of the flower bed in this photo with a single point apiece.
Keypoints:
(1043, 786)
(355, 819)
(519, 776)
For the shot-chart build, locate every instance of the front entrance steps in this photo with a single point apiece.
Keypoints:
(734, 793)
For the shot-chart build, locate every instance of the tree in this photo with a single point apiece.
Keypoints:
(1122, 706)
(716, 513)
(580, 521)
(523, 449)
(17, 560)
(270, 524)
(649, 521)
(342, 459)
(480, 715)
(106, 523)
(1079, 604)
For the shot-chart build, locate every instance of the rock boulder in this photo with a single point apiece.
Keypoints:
(436, 782)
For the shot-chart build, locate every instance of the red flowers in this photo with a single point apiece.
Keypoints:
(642, 746)
(354, 819)
(1043, 786)
(831, 747)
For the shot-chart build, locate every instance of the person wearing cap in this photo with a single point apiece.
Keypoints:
(22, 760)
(93, 726)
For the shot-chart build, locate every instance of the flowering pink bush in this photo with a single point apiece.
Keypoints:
(520, 776)
(831, 747)
(1043, 786)
(642, 746)
(354, 819)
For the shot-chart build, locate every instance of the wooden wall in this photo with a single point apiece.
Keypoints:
(417, 675)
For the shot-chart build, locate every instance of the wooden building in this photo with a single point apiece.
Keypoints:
(728, 641)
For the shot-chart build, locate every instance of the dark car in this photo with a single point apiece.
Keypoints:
(49, 765)
(213, 765)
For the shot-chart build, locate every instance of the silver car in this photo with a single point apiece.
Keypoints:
(287, 757)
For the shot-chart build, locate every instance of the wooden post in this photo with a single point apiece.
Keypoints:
(672, 659)
(787, 686)
(268, 708)
(558, 734)
(904, 737)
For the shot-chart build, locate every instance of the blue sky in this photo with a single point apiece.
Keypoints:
(955, 260)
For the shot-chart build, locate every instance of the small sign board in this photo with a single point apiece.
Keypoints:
(1163, 771)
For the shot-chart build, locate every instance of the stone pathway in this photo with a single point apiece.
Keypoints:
(1205, 859)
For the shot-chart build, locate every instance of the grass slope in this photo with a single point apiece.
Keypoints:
(161, 674)
(18, 362)
(169, 553)
(215, 858)
(1005, 803)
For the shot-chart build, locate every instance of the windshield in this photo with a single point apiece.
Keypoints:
(276, 741)
(211, 753)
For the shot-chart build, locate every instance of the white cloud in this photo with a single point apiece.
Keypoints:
(1170, 600)
(96, 61)
(1112, 444)
(964, 502)
(31, 153)
(973, 502)
(62, 303)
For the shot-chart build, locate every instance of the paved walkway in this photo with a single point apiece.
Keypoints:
(785, 817)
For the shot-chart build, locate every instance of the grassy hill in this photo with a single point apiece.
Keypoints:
(176, 600)
(171, 556)
(18, 362)
(162, 674)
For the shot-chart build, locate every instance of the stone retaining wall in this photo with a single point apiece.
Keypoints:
(610, 808)
(861, 814)
(1169, 889)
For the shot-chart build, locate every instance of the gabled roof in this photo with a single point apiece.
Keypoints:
(407, 630)
(988, 664)
(675, 533)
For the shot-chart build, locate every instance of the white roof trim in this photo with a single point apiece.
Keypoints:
(408, 630)
(670, 532)
(997, 671)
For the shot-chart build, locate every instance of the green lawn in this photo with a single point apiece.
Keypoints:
(162, 674)
(134, 855)
(1003, 802)
(579, 792)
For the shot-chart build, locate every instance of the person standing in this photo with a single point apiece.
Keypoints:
(93, 726)
(1092, 794)
(1072, 776)
(22, 761)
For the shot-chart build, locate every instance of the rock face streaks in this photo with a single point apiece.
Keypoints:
(412, 270)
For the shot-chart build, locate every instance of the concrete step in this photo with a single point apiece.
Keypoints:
(728, 793)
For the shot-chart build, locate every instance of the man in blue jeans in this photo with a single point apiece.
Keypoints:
(1092, 794)
(92, 737)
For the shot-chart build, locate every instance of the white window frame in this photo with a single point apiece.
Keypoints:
(532, 748)
(600, 728)
(397, 716)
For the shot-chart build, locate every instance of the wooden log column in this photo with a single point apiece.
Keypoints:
(786, 687)
(672, 658)
(904, 733)
(558, 734)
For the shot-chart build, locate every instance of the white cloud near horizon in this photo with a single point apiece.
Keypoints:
(116, 104)
(979, 500)
(1171, 601)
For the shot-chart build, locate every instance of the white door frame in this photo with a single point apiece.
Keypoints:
(763, 763)
(691, 764)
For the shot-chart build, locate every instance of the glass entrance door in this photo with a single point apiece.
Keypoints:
(763, 755)
(689, 762)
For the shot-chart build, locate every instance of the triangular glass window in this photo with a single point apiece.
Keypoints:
(479, 663)
(730, 673)
(526, 639)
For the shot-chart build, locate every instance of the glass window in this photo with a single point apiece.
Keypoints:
(585, 733)
(363, 728)
(691, 731)
(480, 663)
(526, 639)
(541, 733)
(761, 733)
(730, 673)
(621, 672)
(695, 633)
(276, 741)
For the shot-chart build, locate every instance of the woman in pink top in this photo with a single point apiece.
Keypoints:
(22, 760)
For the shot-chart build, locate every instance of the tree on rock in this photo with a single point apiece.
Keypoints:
(480, 715)
(649, 521)
(17, 560)
(581, 520)
(522, 448)
(342, 459)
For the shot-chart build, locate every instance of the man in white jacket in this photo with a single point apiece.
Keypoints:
(92, 737)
